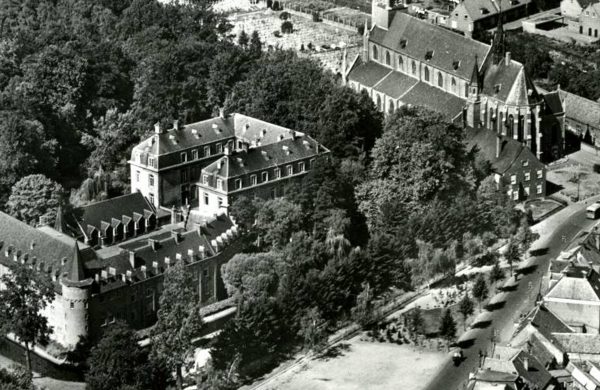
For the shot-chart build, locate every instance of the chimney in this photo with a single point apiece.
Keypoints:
(176, 236)
(507, 58)
(132, 259)
(201, 251)
(155, 266)
(157, 129)
(526, 363)
(168, 261)
(176, 125)
(153, 244)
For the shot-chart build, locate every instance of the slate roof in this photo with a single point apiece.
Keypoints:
(580, 109)
(112, 211)
(512, 150)
(587, 343)
(395, 84)
(421, 37)
(369, 73)
(423, 94)
(267, 156)
(514, 85)
(535, 373)
(579, 283)
(37, 246)
(547, 323)
(474, 7)
(553, 102)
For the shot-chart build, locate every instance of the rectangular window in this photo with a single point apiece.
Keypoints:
(515, 195)
(513, 179)
(206, 198)
(220, 202)
(238, 184)
(219, 148)
(184, 176)
(183, 156)
(290, 170)
(253, 180)
(204, 179)
(206, 151)
(151, 197)
(277, 173)
(527, 176)
(137, 176)
(540, 174)
(527, 191)
(151, 162)
(195, 154)
(219, 184)
(539, 189)
(301, 166)
(264, 177)
(151, 180)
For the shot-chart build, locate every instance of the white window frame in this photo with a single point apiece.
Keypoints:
(301, 166)
(238, 184)
(151, 197)
(277, 173)
(207, 151)
(513, 179)
(183, 157)
(205, 179)
(540, 174)
(206, 198)
(151, 162)
(527, 176)
(290, 170)
(219, 148)
(515, 195)
(264, 176)
(151, 180)
(253, 180)
(194, 154)
(539, 189)
(219, 184)
(527, 190)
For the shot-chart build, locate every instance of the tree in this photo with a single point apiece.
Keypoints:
(106, 361)
(16, 378)
(465, 307)
(287, 27)
(512, 254)
(255, 44)
(243, 39)
(416, 323)
(277, 219)
(363, 311)
(251, 276)
(25, 295)
(313, 329)
(244, 211)
(179, 320)
(496, 273)
(448, 326)
(33, 197)
(480, 289)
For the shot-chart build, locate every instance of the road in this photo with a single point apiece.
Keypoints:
(555, 234)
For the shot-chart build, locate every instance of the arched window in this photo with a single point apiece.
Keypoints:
(453, 84)
(414, 67)
(388, 58)
(492, 120)
(440, 80)
(521, 128)
(391, 107)
(375, 53)
(400, 62)
(510, 126)
(379, 102)
(426, 74)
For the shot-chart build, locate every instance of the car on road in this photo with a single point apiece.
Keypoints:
(457, 356)
(593, 211)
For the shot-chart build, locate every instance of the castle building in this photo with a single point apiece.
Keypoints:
(224, 157)
(406, 61)
(95, 287)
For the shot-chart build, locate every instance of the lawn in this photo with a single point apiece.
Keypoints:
(358, 365)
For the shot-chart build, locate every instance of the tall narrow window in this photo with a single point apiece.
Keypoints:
(400, 62)
(375, 53)
(219, 184)
(453, 84)
(426, 74)
(440, 80)
(388, 58)
(290, 170)
(277, 173)
(301, 166)
(151, 180)
(253, 180)
(206, 151)
(264, 177)
(195, 154)
(206, 198)
(183, 156)
(137, 176)
(219, 148)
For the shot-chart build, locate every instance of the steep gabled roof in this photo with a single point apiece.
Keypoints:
(417, 38)
(579, 283)
(580, 109)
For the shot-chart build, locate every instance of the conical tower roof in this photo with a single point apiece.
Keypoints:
(75, 271)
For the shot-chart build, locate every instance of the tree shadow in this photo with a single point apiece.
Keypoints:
(495, 306)
(527, 270)
(481, 324)
(539, 252)
(512, 287)
(335, 351)
(466, 343)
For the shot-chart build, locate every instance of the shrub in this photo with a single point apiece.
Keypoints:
(284, 15)
(316, 17)
(287, 27)
(270, 4)
(277, 33)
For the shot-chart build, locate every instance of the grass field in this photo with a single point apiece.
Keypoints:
(359, 365)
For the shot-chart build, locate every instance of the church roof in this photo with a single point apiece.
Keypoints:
(580, 109)
(553, 102)
(416, 38)
(509, 83)
(423, 94)
(369, 73)
(395, 84)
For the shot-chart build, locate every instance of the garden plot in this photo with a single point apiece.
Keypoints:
(573, 171)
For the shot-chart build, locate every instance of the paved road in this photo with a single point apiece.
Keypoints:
(555, 234)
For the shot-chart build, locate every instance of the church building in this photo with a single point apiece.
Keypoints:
(407, 61)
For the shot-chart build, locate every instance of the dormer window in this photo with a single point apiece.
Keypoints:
(204, 179)
(484, 11)
(238, 184)
(429, 55)
(219, 184)
(402, 43)
(195, 154)
(455, 64)
(206, 151)
(277, 173)
(183, 157)
(151, 162)
(497, 88)
(219, 148)
(253, 180)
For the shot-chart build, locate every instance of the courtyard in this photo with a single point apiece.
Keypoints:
(574, 175)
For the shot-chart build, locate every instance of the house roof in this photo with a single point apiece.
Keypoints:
(509, 83)
(112, 211)
(553, 102)
(415, 38)
(578, 283)
(547, 323)
(534, 372)
(266, 156)
(75, 273)
(474, 7)
(580, 109)
(585, 343)
(511, 150)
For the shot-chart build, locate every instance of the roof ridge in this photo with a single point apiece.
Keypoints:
(111, 199)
